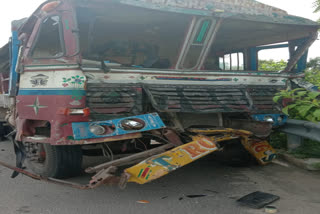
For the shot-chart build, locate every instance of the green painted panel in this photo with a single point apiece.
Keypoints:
(203, 31)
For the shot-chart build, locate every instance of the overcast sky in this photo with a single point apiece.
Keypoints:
(17, 9)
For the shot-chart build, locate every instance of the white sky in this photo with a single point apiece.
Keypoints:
(17, 9)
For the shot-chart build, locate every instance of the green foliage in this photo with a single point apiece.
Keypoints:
(313, 71)
(272, 65)
(309, 149)
(278, 140)
(301, 104)
(316, 5)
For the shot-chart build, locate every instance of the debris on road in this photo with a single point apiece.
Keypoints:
(143, 202)
(258, 199)
(270, 209)
(195, 196)
(212, 191)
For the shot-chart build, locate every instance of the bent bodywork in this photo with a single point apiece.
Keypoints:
(138, 77)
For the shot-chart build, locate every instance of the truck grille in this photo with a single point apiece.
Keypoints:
(107, 101)
(211, 99)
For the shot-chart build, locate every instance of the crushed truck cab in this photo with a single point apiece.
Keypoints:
(158, 83)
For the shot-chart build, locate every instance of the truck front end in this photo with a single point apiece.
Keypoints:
(128, 76)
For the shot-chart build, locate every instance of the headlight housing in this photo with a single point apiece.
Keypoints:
(132, 124)
(269, 119)
(97, 129)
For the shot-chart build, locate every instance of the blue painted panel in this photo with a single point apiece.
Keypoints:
(253, 59)
(15, 43)
(52, 92)
(81, 130)
(302, 63)
(276, 123)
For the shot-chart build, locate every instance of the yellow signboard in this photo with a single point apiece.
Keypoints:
(160, 165)
(261, 150)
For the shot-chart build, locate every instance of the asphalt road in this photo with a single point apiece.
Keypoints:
(299, 191)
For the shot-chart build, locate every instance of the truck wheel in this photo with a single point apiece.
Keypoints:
(54, 161)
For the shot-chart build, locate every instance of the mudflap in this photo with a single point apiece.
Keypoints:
(19, 150)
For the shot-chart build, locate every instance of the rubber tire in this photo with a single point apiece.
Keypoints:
(61, 162)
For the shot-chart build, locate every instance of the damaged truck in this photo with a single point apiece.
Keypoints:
(152, 85)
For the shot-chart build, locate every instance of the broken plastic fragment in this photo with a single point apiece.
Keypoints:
(143, 202)
(195, 196)
(270, 209)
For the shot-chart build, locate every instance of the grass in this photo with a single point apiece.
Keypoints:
(309, 148)
(278, 140)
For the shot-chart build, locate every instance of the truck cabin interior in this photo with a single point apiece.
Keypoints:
(131, 36)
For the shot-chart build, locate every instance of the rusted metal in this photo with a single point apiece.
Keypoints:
(103, 177)
(221, 131)
(135, 158)
(89, 141)
(49, 180)
(173, 137)
(259, 129)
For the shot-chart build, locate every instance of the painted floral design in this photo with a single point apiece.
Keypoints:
(74, 81)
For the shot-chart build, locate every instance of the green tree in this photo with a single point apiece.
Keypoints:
(272, 65)
(316, 6)
(313, 71)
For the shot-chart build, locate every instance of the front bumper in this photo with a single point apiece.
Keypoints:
(116, 127)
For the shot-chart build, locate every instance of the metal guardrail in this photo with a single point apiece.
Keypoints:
(298, 130)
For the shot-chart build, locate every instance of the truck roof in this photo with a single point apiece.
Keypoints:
(242, 10)
(235, 9)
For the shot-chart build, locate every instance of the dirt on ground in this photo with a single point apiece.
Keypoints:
(299, 191)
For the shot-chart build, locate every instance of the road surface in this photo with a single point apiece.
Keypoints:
(299, 191)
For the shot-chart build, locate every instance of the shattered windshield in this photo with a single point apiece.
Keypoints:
(133, 38)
